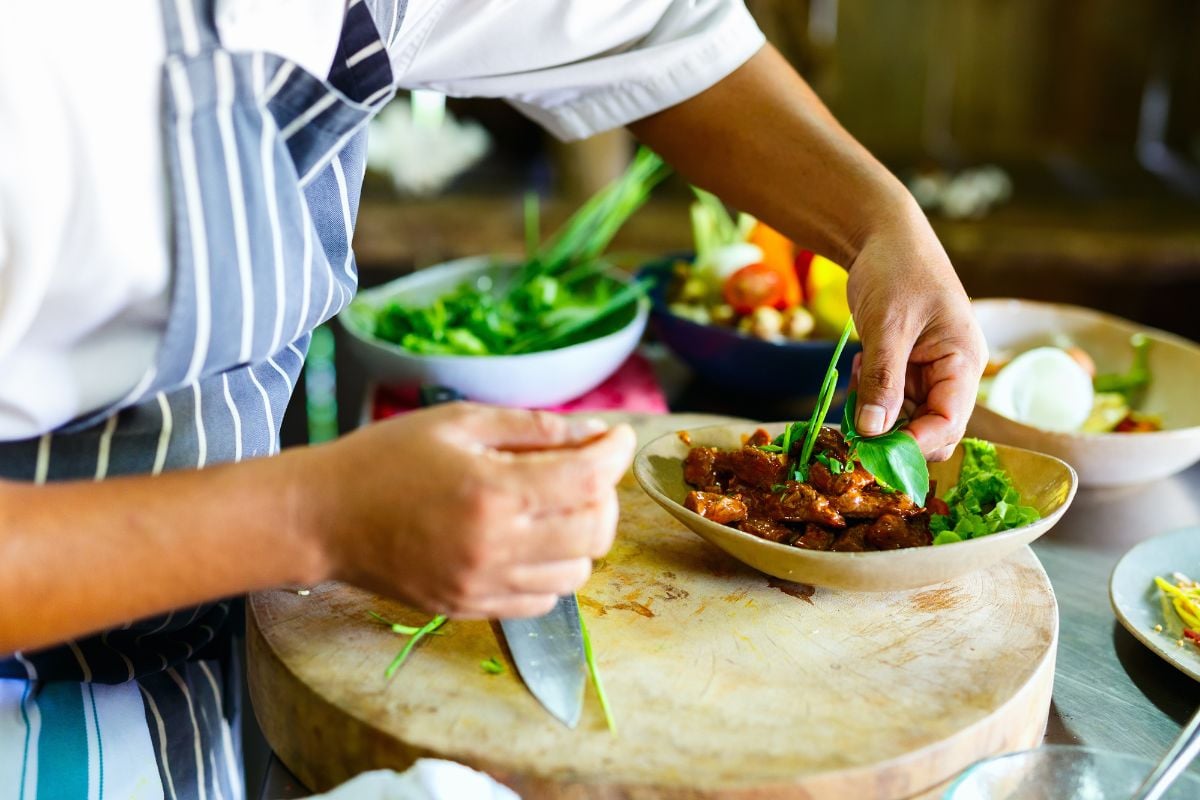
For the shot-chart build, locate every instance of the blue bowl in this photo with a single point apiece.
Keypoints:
(741, 363)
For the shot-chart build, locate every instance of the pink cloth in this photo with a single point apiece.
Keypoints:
(633, 387)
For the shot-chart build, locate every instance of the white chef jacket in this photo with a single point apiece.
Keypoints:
(84, 235)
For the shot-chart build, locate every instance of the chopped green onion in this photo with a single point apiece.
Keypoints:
(594, 672)
(824, 399)
(492, 666)
(427, 628)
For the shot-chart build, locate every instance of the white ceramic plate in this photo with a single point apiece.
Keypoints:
(1135, 597)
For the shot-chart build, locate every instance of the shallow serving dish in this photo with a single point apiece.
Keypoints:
(1044, 482)
(727, 357)
(1134, 596)
(546, 378)
(1101, 459)
(1063, 772)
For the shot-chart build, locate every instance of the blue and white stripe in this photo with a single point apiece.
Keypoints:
(265, 164)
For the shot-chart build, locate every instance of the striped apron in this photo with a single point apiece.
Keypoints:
(265, 165)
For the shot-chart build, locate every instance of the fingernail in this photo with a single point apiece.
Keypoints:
(870, 419)
(586, 428)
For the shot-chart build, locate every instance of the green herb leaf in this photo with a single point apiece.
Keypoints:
(894, 459)
(1136, 378)
(492, 666)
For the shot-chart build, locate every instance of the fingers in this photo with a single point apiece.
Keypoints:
(881, 376)
(509, 607)
(553, 577)
(587, 532)
(518, 430)
(570, 477)
(942, 419)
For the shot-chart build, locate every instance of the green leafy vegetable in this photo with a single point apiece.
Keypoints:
(492, 666)
(894, 459)
(594, 672)
(561, 294)
(1136, 378)
(983, 502)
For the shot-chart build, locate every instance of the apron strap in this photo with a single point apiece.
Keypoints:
(190, 26)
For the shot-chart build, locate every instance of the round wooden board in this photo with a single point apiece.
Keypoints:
(724, 683)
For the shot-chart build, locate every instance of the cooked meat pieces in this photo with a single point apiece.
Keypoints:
(800, 502)
(851, 540)
(698, 467)
(749, 489)
(832, 442)
(829, 484)
(814, 538)
(892, 532)
(872, 502)
(753, 467)
(758, 438)
(716, 507)
(768, 529)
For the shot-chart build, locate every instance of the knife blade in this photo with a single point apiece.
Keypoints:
(548, 653)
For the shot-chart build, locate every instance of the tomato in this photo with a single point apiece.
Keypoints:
(778, 254)
(752, 287)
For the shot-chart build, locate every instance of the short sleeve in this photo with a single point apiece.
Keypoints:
(577, 67)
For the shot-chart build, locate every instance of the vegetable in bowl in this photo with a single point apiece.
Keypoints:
(750, 278)
(1056, 388)
(562, 293)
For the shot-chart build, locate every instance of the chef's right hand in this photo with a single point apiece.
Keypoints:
(467, 510)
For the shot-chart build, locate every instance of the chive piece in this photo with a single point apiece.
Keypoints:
(427, 628)
(492, 666)
(403, 630)
(824, 398)
(594, 672)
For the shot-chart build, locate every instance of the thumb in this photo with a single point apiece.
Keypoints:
(881, 383)
(517, 430)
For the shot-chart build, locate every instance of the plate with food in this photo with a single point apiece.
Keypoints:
(533, 331)
(1156, 596)
(1113, 398)
(826, 506)
(748, 307)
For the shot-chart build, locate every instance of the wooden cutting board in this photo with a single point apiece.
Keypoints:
(724, 683)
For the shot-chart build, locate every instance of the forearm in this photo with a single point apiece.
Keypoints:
(80, 557)
(764, 142)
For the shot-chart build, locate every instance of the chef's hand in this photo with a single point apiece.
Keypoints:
(923, 352)
(471, 511)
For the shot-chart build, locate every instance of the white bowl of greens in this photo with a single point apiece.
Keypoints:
(527, 375)
(533, 331)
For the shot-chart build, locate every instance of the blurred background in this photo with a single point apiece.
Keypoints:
(1055, 144)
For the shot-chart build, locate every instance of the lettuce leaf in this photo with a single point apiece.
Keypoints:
(984, 501)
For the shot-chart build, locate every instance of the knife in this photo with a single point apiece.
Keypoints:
(547, 651)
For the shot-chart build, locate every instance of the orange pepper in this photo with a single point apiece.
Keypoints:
(779, 254)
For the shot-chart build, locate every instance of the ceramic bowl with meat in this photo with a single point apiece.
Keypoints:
(833, 523)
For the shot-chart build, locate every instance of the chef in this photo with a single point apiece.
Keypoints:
(178, 187)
